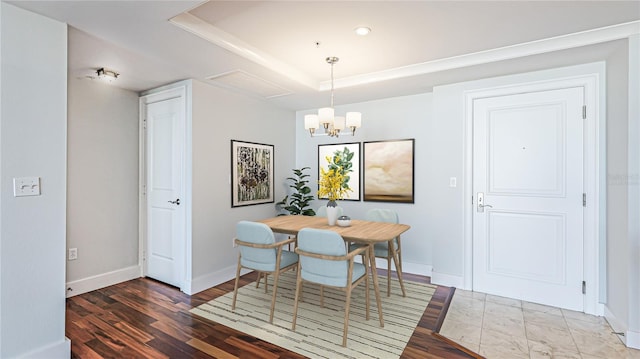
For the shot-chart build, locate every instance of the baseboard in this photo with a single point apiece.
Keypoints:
(57, 350)
(447, 280)
(630, 338)
(633, 339)
(102, 280)
(415, 268)
(407, 267)
(207, 281)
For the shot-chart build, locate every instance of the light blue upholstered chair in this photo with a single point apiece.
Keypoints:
(324, 260)
(260, 252)
(322, 211)
(391, 251)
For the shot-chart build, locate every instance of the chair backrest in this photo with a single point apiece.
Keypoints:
(382, 215)
(256, 258)
(322, 211)
(323, 271)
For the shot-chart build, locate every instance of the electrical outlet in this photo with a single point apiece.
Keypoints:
(233, 242)
(73, 254)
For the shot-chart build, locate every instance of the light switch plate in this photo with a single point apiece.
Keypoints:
(453, 182)
(26, 186)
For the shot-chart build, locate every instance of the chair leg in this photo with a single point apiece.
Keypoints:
(260, 275)
(295, 303)
(321, 295)
(276, 276)
(235, 288)
(346, 316)
(266, 282)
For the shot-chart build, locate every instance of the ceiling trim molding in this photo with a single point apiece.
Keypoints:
(583, 38)
(205, 30)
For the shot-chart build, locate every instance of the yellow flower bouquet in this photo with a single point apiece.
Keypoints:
(331, 185)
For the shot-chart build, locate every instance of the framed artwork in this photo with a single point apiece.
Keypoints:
(325, 151)
(388, 171)
(251, 173)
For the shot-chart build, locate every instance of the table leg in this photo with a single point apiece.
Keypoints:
(396, 260)
(374, 273)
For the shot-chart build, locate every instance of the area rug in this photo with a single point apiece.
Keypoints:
(318, 331)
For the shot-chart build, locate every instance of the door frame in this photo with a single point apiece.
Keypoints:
(181, 89)
(594, 170)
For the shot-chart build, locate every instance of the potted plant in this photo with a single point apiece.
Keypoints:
(299, 201)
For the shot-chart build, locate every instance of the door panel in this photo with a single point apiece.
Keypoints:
(526, 154)
(528, 239)
(165, 217)
(538, 235)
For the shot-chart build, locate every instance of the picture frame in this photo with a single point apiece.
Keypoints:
(252, 173)
(388, 171)
(354, 180)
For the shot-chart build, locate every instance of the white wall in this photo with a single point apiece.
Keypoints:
(633, 334)
(33, 143)
(218, 117)
(617, 190)
(102, 184)
(388, 119)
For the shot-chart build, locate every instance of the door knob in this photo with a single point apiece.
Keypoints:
(481, 204)
(176, 202)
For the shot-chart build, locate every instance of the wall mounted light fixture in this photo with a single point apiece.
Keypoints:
(107, 74)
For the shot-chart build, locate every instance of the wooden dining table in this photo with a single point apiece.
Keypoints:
(359, 231)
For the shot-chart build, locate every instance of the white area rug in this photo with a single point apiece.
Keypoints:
(319, 330)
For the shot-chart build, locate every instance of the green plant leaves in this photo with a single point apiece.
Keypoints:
(300, 200)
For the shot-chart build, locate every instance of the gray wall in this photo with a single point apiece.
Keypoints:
(218, 117)
(634, 189)
(33, 143)
(617, 194)
(102, 184)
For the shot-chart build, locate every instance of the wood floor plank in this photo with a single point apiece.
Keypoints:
(144, 318)
(210, 349)
(251, 349)
(135, 333)
(119, 341)
(82, 351)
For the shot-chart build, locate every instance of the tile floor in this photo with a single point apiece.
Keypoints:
(498, 327)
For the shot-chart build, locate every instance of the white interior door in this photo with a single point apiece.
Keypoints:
(528, 167)
(165, 123)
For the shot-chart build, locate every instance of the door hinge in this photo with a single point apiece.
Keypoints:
(584, 287)
(144, 124)
(584, 200)
(584, 112)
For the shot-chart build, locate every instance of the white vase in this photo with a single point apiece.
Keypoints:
(332, 215)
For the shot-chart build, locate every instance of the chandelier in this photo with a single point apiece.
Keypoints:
(332, 124)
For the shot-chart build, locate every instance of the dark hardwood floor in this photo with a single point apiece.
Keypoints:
(143, 318)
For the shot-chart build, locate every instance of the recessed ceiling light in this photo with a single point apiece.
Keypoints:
(362, 30)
